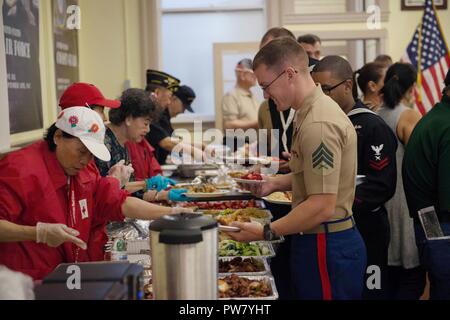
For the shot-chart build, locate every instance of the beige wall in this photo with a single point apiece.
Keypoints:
(400, 28)
(110, 51)
(402, 24)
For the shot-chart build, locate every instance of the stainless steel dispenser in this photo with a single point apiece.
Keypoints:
(184, 257)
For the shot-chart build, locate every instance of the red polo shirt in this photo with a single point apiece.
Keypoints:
(34, 188)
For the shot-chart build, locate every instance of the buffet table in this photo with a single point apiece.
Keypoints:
(237, 267)
(239, 264)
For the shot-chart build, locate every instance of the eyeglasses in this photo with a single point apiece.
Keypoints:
(327, 89)
(264, 88)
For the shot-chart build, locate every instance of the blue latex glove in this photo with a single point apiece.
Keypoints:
(159, 183)
(178, 195)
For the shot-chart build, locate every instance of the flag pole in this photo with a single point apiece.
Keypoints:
(439, 25)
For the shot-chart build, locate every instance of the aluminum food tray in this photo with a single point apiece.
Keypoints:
(261, 243)
(260, 204)
(270, 279)
(244, 274)
(263, 221)
(189, 170)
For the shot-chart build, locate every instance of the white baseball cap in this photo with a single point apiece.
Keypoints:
(86, 125)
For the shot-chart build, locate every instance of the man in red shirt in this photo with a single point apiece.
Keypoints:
(50, 193)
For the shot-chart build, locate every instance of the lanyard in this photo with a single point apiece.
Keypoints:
(72, 213)
(286, 125)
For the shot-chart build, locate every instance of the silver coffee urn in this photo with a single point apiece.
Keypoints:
(184, 257)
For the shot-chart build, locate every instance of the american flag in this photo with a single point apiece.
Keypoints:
(429, 53)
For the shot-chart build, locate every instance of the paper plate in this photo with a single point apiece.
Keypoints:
(245, 181)
(243, 191)
(223, 186)
(228, 228)
(275, 201)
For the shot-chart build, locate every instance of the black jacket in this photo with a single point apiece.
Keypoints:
(160, 130)
(377, 147)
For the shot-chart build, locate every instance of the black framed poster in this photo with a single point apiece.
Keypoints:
(21, 30)
(65, 45)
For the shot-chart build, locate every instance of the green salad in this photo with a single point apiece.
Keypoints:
(231, 248)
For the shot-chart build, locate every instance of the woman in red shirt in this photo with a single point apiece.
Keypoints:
(50, 193)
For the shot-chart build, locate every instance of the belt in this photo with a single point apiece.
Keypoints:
(333, 226)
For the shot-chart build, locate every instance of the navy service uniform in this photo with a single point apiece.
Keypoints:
(377, 148)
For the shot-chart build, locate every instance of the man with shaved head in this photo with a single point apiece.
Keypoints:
(328, 256)
(377, 148)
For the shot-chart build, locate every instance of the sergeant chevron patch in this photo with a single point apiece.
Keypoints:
(323, 160)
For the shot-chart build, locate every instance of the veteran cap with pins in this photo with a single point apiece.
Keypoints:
(162, 79)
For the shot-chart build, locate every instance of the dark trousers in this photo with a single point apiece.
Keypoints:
(375, 231)
(434, 257)
(280, 265)
(328, 266)
(406, 284)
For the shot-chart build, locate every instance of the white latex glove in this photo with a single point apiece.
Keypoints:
(54, 235)
(176, 210)
(121, 172)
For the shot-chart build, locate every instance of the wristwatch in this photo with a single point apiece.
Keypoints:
(269, 235)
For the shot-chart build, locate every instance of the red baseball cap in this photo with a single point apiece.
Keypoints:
(84, 94)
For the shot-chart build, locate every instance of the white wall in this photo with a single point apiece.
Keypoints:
(188, 46)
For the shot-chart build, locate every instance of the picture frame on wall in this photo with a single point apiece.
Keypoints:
(419, 4)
